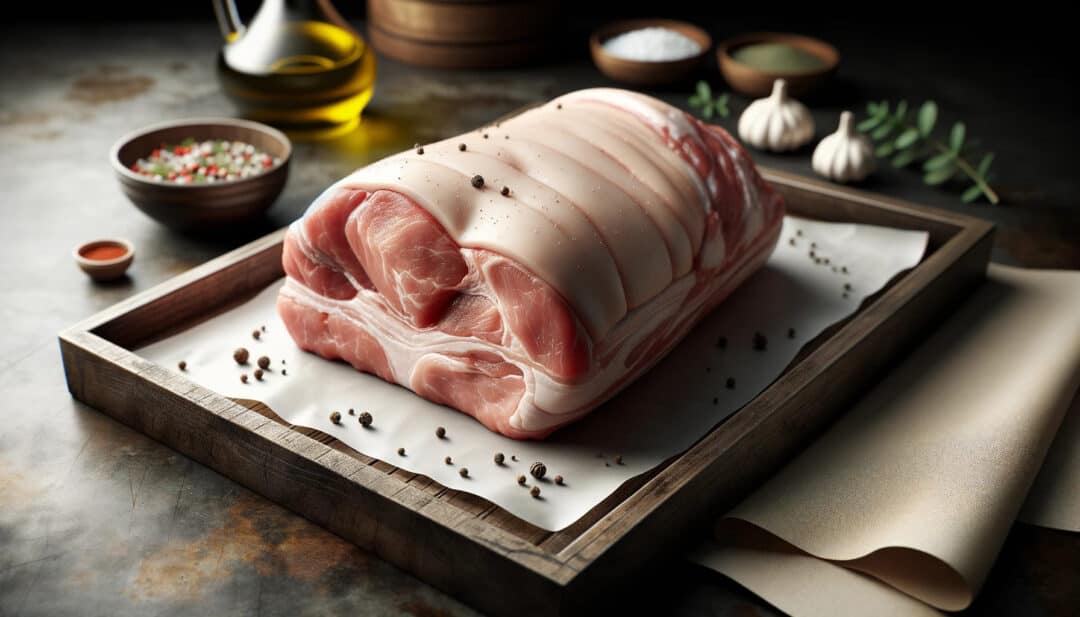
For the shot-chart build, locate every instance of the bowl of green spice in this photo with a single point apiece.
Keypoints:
(203, 174)
(751, 62)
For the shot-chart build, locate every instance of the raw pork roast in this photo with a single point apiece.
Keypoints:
(526, 272)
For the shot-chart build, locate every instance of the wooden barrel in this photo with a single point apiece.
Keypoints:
(462, 34)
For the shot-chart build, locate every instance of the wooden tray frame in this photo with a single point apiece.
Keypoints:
(461, 543)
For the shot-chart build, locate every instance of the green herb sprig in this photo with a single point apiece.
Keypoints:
(709, 106)
(906, 136)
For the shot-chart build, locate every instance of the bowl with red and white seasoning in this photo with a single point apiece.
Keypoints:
(203, 174)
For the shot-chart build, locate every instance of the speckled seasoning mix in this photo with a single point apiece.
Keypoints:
(204, 162)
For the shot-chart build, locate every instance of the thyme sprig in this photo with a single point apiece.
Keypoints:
(703, 99)
(905, 136)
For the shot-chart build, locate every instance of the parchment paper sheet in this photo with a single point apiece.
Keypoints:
(661, 414)
(910, 496)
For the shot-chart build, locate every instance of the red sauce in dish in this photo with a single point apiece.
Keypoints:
(104, 253)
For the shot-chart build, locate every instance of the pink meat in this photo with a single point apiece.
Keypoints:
(375, 280)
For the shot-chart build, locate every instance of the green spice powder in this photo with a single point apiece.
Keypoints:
(777, 58)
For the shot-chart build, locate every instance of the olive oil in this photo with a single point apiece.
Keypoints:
(309, 77)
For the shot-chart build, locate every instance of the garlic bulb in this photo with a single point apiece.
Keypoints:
(777, 122)
(844, 156)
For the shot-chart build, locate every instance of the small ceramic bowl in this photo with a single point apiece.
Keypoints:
(202, 207)
(642, 73)
(104, 269)
(755, 82)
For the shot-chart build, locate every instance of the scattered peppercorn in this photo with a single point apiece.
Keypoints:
(461, 147)
(478, 181)
(559, 480)
(843, 269)
(264, 362)
(535, 492)
(791, 332)
(798, 232)
(365, 419)
(845, 296)
(499, 458)
(812, 254)
(240, 355)
(825, 261)
(258, 374)
(847, 286)
(352, 412)
(760, 342)
(243, 378)
(506, 137)
(618, 459)
(283, 360)
(440, 432)
(513, 457)
(538, 470)
(721, 343)
(730, 383)
(813, 245)
(284, 372)
(464, 472)
(335, 417)
(791, 242)
(401, 451)
(715, 400)
(255, 334)
(263, 328)
(182, 365)
(505, 192)
(420, 150)
(521, 480)
(448, 461)
(708, 369)
(485, 135)
(558, 106)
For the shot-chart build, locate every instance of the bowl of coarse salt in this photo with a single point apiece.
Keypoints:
(649, 52)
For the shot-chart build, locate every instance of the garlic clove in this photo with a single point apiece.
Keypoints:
(846, 155)
(778, 122)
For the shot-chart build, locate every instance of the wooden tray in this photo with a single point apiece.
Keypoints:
(461, 543)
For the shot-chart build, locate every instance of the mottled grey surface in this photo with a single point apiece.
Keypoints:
(96, 519)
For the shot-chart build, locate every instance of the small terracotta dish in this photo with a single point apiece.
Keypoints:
(202, 207)
(645, 73)
(105, 260)
(752, 81)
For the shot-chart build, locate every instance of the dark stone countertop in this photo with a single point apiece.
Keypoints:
(96, 519)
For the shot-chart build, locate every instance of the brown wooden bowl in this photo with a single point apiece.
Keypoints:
(751, 81)
(104, 269)
(201, 207)
(640, 73)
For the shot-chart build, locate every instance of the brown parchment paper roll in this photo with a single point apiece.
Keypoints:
(918, 485)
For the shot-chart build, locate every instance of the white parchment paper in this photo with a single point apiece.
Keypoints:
(658, 416)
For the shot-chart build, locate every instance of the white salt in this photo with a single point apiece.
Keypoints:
(652, 45)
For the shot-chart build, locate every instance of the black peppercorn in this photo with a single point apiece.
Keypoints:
(730, 383)
(448, 461)
(477, 181)
(558, 105)
(798, 232)
(618, 459)
(538, 470)
(847, 286)
(521, 480)
(715, 400)
(461, 147)
(352, 412)
(791, 332)
(499, 458)
(485, 135)
(760, 342)
(721, 343)
(505, 191)
(401, 451)
(240, 355)
(420, 150)
(335, 417)
(559, 480)
(791, 242)
(513, 457)
(182, 365)
(843, 269)
(365, 419)
(464, 472)
(284, 372)
(535, 492)
(440, 432)
(255, 334)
